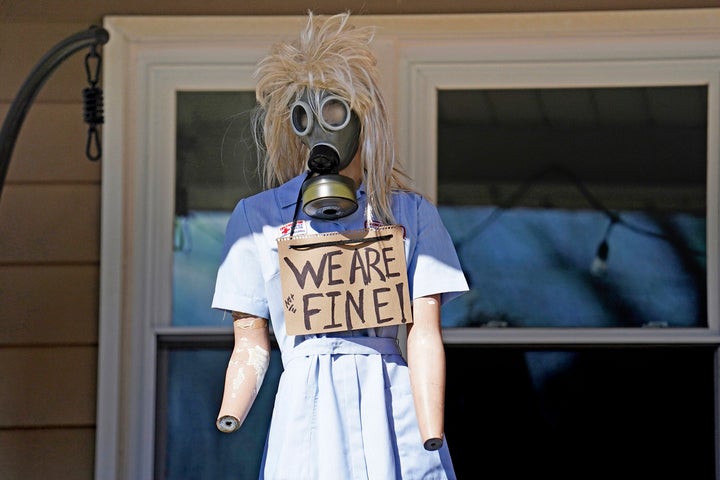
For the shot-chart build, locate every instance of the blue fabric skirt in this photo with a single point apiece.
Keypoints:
(344, 411)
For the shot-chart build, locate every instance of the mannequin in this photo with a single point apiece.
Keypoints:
(349, 405)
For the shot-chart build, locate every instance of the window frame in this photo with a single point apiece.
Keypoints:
(148, 59)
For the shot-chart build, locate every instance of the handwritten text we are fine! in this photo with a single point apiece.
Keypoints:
(345, 286)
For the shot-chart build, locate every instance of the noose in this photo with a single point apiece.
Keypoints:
(93, 104)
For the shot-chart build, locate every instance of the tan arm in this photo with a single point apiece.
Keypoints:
(246, 370)
(426, 362)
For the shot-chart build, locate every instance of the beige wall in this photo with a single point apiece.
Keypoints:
(50, 222)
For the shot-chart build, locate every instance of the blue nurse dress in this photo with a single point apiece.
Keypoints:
(344, 407)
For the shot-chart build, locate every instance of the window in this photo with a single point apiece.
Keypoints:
(642, 383)
(215, 167)
(533, 183)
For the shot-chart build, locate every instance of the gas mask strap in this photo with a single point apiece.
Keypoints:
(298, 203)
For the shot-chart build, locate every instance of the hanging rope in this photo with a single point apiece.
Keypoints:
(93, 100)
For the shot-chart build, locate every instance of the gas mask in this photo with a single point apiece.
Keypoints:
(331, 130)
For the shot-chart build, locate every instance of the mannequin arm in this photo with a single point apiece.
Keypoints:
(246, 370)
(426, 362)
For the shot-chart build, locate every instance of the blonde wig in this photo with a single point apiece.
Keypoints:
(332, 55)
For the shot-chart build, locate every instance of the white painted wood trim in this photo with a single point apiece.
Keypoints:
(111, 260)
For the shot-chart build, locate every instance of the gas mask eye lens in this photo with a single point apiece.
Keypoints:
(301, 118)
(334, 113)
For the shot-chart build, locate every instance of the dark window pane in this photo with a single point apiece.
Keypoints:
(216, 161)
(581, 414)
(188, 445)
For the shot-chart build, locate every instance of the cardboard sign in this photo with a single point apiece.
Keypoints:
(344, 281)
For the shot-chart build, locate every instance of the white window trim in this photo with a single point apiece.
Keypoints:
(149, 58)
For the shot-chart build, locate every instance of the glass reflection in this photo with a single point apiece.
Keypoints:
(576, 207)
(215, 167)
(534, 268)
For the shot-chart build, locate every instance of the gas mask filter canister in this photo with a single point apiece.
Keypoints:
(331, 132)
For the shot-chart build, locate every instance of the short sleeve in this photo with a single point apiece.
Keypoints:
(434, 267)
(239, 284)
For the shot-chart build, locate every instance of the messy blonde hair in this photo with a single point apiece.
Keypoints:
(331, 55)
